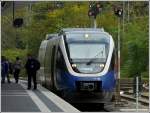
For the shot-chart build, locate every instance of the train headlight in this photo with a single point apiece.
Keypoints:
(74, 65)
(86, 36)
(101, 65)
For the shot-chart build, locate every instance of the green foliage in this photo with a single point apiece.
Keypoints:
(47, 18)
(134, 51)
(11, 54)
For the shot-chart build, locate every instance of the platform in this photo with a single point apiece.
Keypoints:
(16, 98)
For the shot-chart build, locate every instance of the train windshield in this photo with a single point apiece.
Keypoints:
(87, 51)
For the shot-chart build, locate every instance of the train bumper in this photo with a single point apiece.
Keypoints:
(106, 83)
(88, 97)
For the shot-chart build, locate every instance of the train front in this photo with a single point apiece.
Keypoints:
(90, 75)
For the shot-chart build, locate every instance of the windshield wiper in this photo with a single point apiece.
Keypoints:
(94, 58)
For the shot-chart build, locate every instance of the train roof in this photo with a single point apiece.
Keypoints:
(49, 36)
(74, 30)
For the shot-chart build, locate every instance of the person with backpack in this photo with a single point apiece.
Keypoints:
(32, 65)
(17, 68)
(7, 70)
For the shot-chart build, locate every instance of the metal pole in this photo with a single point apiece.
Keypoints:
(118, 81)
(95, 25)
(119, 48)
(13, 10)
(123, 21)
(13, 24)
(29, 13)
(137, 93)
(128, 11)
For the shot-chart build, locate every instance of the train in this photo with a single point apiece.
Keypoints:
(79, 64)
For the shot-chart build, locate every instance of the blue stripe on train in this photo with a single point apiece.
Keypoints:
(66, 80)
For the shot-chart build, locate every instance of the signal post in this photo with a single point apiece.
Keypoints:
(94, 10)
(119, 13)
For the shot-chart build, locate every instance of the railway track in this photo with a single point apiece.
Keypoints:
(145, 96)
(127, 83)
(144, 100)
(92, 107)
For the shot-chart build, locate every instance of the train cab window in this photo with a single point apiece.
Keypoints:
(87, 55)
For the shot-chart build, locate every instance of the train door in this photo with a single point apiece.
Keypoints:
(60, 67)
(41, 57)
(53, 66)
(47, 65)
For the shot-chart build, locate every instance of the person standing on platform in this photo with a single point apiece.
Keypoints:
(7, 70)
(32, 65)
(4, 69)
(10, 68)
(17, 68)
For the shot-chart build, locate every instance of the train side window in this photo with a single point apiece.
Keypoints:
(112, 61)
(53, 55)
(59, 59)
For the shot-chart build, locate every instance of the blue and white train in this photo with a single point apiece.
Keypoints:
(79, 63)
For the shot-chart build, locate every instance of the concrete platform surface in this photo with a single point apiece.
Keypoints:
(15, 98)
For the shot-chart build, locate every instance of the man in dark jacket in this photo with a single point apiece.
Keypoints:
(32, 65)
